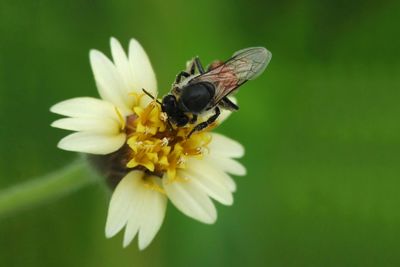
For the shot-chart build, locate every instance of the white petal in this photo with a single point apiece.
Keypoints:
(121, 60)
(110, 83)
(208, 166)
(227, 164)
(142, 71)
(121, 202)
(123, 66)
(132, 228)
(224, 115)
(153, 214)
(85, 107)
(231, 184)
(93, 125)
(136, 208)
(92, 143)
(212, 186)
(146, 214)
(225, 146)
(190, 200)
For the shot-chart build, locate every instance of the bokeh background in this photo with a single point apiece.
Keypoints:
(320, 127)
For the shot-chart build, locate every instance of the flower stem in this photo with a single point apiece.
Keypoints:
(42, 189)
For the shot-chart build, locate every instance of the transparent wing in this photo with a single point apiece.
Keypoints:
(246, 64)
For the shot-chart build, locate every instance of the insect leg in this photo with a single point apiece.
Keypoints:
(171, 128)
(193, 64)
(228, 104)
(191, 67)
(193, 119)
(199, 65)
(180, 75)
(204, 124)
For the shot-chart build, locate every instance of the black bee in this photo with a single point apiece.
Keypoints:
(194, 93)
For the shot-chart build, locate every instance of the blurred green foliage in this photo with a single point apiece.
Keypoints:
(320, 126)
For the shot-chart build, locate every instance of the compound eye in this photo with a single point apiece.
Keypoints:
(169, 105)
(169, 100)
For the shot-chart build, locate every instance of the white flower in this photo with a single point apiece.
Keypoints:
(158, 163)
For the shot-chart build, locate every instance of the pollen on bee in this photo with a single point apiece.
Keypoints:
(163, 116)
(165, 141)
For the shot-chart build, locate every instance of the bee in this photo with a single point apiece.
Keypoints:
(197, 91)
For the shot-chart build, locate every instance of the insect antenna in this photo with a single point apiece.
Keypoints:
(151, 96)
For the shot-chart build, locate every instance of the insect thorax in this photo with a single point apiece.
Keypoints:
(196, 97)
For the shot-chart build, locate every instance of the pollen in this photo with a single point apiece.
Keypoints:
(157, 147)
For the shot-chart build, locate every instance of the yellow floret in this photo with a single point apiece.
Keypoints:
(159, 149)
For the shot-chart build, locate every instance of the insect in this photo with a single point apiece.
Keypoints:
(196, 91)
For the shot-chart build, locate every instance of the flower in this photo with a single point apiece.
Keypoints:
(149, 162)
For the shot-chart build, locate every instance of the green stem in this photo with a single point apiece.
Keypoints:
(42, 189)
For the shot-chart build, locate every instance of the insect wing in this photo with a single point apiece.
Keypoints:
(246, 64)
(251, 62)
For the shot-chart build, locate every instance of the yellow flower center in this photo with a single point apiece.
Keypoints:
(157, 147)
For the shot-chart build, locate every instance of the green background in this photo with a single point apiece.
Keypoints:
(320, 127)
